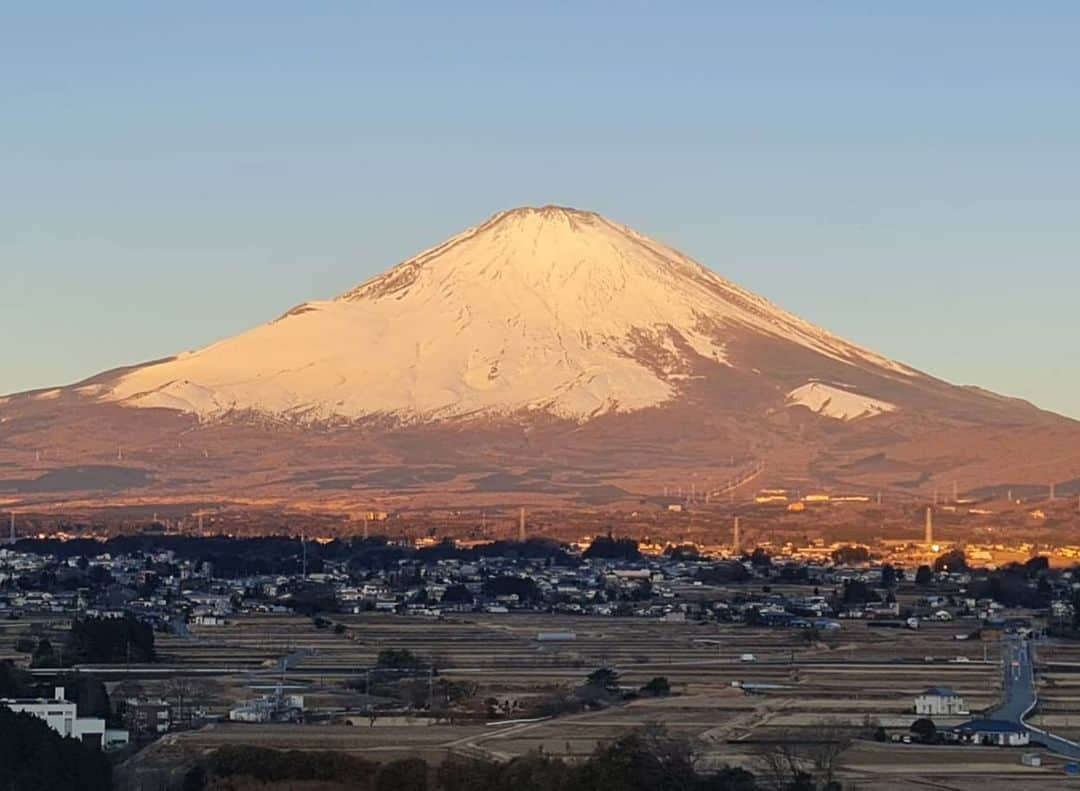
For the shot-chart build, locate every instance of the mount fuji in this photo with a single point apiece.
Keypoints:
(549, 344)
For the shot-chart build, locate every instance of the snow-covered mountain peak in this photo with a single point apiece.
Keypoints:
(549, 308)
(547, 248)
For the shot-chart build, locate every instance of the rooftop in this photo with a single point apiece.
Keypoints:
(990, 726)
(942, 692)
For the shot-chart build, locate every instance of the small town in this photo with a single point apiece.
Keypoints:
(145, 645)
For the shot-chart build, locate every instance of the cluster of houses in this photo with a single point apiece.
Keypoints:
(665, 586)
(660, 586)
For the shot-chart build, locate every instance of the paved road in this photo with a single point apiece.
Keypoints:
(1019, 697)
(1019, 682)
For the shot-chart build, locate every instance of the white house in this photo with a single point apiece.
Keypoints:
(939, 701)
(61, 715)
(996, 732)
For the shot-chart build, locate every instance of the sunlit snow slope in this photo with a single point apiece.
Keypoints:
(837, 403)
(536, 309)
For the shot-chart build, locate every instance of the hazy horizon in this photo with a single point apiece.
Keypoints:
(174, 179)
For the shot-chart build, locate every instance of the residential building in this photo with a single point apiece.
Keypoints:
(992, 732)
(148, 716)
(939, 701)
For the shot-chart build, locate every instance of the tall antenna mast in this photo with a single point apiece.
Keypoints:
(521, 526)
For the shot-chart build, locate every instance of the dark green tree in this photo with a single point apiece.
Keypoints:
(34, 757)
(925, 730)
(405, 774)
(952, 561)
(659, 687)
(888, 576)
(924, 576)
(110, 640)
(851, 555)
(605, 678)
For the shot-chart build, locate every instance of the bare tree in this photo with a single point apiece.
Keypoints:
(781, 764)
(832, 741)
(178, 691)
(186, 694)
(813, 753)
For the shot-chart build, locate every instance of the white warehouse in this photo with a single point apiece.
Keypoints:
(61, 715)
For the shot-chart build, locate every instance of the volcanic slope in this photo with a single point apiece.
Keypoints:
(544, 345)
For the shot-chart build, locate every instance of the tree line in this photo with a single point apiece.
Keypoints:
(649, 759)
(34, 757)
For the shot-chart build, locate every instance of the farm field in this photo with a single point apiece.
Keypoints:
(864, 677)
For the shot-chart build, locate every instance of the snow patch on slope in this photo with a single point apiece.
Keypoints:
(829, 401)
(183, 396)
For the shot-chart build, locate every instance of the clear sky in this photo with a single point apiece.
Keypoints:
(906, 174)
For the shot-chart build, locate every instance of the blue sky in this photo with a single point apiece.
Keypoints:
(904, 174)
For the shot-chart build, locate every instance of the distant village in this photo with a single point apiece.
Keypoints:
(174, 583)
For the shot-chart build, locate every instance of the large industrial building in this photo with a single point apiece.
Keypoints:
(62, 716)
